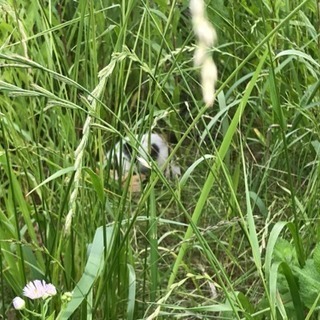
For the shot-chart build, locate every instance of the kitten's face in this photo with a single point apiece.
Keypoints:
(151, 146)
(154, 146)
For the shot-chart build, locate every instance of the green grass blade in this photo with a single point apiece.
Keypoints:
(215, 168)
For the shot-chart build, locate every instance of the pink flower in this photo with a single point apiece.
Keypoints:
(39, 289)
(51, 290)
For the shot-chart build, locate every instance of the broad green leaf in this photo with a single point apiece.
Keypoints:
(90, 274)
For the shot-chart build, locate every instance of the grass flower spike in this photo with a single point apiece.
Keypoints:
(206, 37)
(18, 303)
(209, 76)
(39, 289)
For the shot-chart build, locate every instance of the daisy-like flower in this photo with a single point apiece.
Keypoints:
(39, 289)
(18, 303)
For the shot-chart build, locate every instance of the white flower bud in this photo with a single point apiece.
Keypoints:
(18, 303)
(66, 297)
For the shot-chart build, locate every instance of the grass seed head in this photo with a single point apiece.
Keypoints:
(206, 37)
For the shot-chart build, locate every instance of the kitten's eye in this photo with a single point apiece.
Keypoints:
(154, 151)
(127, 149)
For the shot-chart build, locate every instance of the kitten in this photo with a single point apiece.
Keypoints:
(152, 146)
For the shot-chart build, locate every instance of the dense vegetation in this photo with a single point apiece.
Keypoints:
(236, 236)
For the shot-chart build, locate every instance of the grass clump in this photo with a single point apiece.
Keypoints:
(236, 236)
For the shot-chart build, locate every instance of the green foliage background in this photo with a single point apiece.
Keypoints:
(77, 76)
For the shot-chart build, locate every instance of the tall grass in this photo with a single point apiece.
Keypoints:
(236, 235)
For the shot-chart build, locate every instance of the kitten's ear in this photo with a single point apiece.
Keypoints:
(170, 137)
